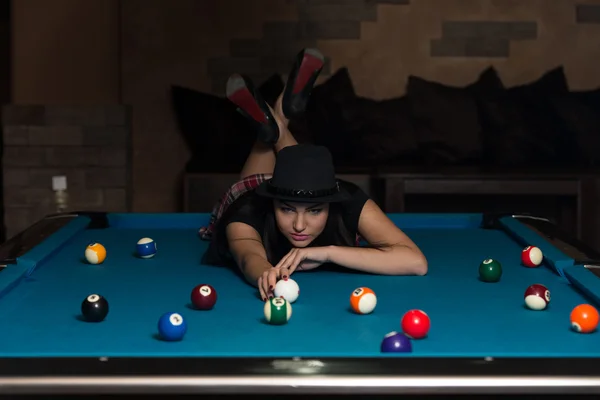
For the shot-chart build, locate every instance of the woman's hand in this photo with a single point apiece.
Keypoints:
(267, 281)
(303, 259)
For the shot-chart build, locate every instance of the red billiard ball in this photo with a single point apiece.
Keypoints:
(537, 297)
(204, 297)
(531, 256)
(415, 324)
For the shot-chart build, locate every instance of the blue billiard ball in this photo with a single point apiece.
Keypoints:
(172, 326)
(395, 342)
(146, 248)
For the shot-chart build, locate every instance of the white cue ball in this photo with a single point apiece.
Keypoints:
(288, 289)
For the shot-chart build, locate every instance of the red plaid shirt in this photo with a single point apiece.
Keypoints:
(242, 186)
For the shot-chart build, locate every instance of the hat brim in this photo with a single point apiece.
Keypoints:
(342, 195)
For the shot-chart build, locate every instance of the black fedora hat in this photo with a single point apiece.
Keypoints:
(304, 173)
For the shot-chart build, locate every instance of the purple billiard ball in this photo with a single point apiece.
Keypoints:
(395, 342)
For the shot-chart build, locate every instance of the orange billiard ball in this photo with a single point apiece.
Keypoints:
(95, 253)
(363, 300)
(584, 318)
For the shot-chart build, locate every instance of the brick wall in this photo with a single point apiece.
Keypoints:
(281, 40)
(5, 37)
(199, 43)
(465, 30)
(88, 145)
(480, 38)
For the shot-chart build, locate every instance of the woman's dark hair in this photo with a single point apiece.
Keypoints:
(335, 233)
(276, 245)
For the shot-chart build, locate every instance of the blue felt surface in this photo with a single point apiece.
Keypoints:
(585, 281)
(469, 318)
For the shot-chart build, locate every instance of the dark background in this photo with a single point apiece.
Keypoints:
(125, 97)
(5, 77)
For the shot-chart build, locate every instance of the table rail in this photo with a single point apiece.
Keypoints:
(402, 375)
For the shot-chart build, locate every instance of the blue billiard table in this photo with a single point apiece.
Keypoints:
(482, 337)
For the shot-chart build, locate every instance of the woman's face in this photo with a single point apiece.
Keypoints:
(301, 223)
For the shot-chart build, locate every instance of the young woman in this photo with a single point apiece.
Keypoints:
(293, 214)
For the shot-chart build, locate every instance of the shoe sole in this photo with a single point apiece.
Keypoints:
(312, 61)
(238, 94)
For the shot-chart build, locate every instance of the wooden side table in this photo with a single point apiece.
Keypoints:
(585, 188)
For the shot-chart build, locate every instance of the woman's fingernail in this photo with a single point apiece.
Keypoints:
(271, 287)
(270, 296)
(285, 277)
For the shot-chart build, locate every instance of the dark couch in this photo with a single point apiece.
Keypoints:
(541, 124)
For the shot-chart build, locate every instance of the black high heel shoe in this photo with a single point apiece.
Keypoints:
(241, 92)
(305, 71)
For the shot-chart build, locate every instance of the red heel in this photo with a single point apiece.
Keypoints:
(241, 92)
(305, 71)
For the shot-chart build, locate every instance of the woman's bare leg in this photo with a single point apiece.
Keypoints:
(261, 159)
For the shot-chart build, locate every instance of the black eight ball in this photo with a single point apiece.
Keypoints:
(94, 308)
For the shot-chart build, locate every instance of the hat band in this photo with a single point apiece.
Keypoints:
(302, 193)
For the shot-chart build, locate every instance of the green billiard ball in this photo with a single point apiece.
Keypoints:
(490, 270)
(277, 311)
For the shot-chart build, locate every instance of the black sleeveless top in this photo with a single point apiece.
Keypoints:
(251, 210)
